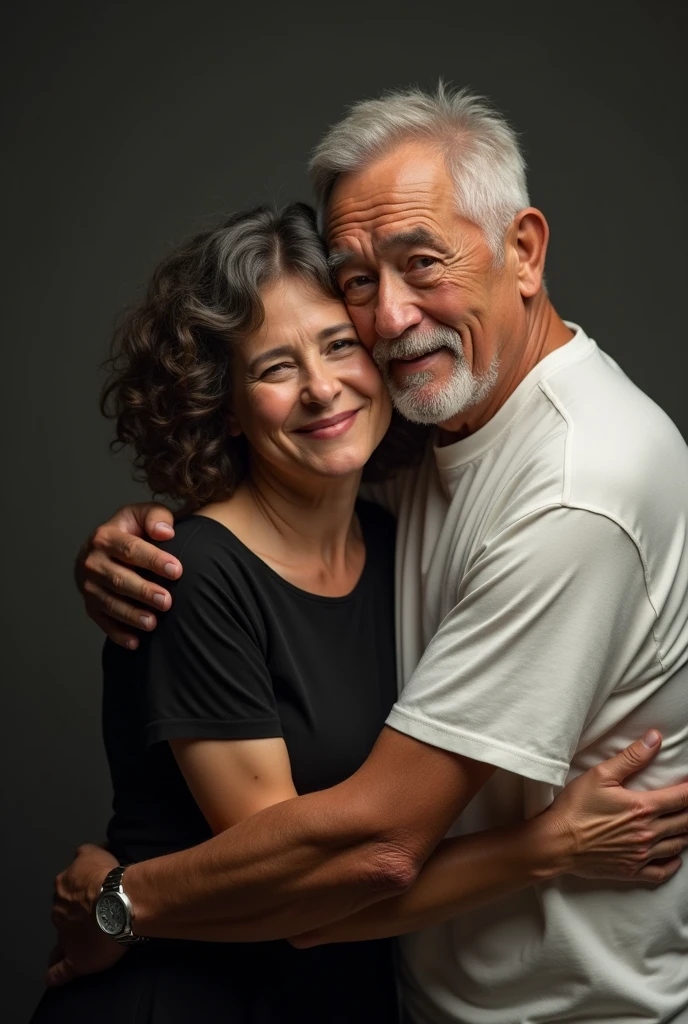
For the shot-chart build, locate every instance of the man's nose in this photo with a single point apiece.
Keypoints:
(395, 311)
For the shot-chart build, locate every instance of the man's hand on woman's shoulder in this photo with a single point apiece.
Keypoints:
(114, 594)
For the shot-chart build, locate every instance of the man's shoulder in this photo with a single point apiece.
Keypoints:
(622, 453)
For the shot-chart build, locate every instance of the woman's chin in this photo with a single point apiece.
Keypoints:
(339, 464)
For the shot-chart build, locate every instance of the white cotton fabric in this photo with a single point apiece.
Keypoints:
(542, 623)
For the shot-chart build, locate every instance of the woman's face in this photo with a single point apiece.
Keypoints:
(306, 394)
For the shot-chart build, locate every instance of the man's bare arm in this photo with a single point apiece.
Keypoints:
(472, 871)
(315, 859)
(311, 860)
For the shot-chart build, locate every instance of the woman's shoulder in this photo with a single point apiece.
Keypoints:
(211, 557)
(198, 538)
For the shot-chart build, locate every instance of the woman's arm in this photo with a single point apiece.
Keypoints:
(232, 779)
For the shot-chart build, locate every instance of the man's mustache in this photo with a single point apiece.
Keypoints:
(413, 344)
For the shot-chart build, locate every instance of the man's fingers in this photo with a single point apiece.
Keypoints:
(102, 572)
(104, 602)
(115, 632)
(671, 800)
(657, 873)
(671, 825)
(636, 756)
(135, 551)
(59, 974)
(134, 518)
(666, 849)
(158, 522)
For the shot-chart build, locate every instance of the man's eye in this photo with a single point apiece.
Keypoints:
(423, 262)
(359, 282)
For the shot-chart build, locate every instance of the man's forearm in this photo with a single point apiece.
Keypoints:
(462, 874)
(293, 867)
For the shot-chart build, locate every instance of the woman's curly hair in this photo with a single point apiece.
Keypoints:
(169, 385)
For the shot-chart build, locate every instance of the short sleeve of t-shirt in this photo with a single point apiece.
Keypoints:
(205, 674)
(549, 615)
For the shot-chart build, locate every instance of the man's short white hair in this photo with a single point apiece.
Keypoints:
(481, 150)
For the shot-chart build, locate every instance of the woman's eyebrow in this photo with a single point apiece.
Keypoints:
(328, 332)
(273, 353)
(286, 350)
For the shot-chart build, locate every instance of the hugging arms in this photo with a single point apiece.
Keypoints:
(355, 861)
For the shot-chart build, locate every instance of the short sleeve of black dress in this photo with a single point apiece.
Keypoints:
(205, 673)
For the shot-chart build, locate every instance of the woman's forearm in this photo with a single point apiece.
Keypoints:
(461, 875)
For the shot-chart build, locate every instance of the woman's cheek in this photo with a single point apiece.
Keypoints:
(271, 405)
(365, 376)
(368, 383)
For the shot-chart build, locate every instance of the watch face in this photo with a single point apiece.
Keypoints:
(111, 914)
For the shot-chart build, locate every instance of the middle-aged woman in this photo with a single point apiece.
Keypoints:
(246, 395)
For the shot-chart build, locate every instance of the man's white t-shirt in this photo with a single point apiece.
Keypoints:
(542, 624)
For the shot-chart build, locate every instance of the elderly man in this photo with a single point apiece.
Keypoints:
(542, 613)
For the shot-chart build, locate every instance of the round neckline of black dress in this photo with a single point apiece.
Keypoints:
(308, 594)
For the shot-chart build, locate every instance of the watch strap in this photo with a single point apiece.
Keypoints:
(113, 879)
(113, 883)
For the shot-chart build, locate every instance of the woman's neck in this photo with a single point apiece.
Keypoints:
(306, 532)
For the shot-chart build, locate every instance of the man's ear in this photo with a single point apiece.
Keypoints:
(529, 235)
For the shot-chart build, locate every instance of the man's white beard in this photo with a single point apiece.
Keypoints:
(416, 399)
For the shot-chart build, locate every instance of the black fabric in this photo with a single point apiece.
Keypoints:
(205, 983)
(243, 654)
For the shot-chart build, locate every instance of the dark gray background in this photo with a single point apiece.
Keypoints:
(127, 126)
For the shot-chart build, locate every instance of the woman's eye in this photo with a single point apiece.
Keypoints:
(277, 368)
(342, 344)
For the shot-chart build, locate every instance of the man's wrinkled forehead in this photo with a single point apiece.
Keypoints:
(404, 197)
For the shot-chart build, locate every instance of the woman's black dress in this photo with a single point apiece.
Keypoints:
(242, 654)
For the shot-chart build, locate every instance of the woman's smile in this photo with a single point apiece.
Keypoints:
(333, 426)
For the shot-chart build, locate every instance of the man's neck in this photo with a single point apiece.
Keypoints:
(545, 332)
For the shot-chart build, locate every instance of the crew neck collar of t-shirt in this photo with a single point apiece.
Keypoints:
(469, 448)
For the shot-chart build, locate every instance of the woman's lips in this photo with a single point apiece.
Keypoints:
(331, 427)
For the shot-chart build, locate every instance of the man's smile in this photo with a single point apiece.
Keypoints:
(405, 366)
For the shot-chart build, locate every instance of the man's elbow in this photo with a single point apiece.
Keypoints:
(398, 867)
(383, 869)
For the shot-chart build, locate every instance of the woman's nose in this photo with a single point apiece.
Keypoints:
(320, 387)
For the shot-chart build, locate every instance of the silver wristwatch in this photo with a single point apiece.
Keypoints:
(114, 911)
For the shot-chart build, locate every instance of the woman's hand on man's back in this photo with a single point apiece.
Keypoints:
(114, 594)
